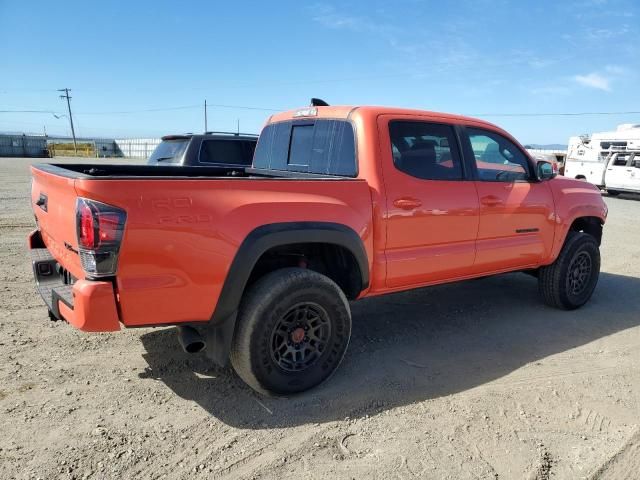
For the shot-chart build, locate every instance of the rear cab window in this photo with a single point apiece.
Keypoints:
(169, 152)
(321, 146)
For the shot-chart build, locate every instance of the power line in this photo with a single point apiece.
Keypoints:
(264, 109)
(242, 107)
(73, 132)
(181, 107)
(145, 110)
(557, 114)
(27, 111)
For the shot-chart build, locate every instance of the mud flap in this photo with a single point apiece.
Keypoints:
(218, 339)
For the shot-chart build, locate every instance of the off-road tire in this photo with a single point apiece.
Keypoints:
(557, 282)
(270, 302)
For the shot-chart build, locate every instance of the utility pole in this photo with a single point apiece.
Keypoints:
(73, 132)
(205, 116)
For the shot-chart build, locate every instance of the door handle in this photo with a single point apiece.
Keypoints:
(407, 203)
(491, 201)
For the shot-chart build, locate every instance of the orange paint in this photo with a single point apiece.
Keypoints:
(182, 234)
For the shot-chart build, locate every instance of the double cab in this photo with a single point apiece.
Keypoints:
(340, 203)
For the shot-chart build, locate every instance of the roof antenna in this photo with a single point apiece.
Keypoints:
(318, 102)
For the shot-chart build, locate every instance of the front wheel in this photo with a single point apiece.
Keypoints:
(293, 330)
(569, 282)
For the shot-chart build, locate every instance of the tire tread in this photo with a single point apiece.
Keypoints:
(550, 279)
(266, 289)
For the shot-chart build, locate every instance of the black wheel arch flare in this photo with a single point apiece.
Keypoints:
(258, 241)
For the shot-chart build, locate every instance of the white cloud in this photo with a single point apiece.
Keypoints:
(608, 33)
(329, 17)
(616, 69)
(593, 80)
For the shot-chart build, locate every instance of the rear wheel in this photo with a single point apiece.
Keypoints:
(293, 330)
(569, 282)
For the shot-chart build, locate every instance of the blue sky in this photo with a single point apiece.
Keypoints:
(142, 68)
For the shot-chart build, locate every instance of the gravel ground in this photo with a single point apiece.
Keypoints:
(469, 380)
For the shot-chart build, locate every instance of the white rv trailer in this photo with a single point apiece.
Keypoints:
(589, 155)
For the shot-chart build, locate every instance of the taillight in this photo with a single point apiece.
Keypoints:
(86, 227)
(99, 228)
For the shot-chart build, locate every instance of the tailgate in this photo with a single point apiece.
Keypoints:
(53, 199)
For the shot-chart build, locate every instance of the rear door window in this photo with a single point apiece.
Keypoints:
(425, 150)
(226, 152)
(310, 146)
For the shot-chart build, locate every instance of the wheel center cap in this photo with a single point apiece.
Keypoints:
(297, 335)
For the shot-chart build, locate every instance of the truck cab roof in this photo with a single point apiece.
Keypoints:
(349, 111)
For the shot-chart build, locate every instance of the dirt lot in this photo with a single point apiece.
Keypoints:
(473, 380)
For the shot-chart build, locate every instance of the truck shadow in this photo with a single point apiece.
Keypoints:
(410, 347)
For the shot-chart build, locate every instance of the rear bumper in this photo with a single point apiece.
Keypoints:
(87, 305)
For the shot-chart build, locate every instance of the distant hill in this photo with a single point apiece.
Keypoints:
(548, 146)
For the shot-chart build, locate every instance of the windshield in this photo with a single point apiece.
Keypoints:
(169, 152)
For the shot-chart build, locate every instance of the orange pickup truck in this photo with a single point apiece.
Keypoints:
(258, 265)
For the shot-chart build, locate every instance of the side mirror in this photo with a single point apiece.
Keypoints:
(545, 170)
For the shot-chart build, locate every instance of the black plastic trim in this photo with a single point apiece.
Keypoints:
(199, 173)
(268, 236)
(283, 174)
(50, 287)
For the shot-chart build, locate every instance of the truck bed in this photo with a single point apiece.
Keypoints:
(184, 225)
(118, 171)
(90, 170)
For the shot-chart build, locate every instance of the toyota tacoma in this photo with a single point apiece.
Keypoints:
(258, 266)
